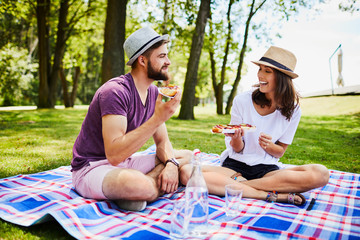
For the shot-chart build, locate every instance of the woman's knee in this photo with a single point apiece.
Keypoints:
(319, 175)
(183, 155)
(185, 172)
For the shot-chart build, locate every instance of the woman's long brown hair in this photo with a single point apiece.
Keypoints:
(286, 96)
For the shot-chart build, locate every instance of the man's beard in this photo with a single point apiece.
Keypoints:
(156, 75)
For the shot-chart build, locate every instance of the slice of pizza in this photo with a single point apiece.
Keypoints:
(169, 91)
(230, 128)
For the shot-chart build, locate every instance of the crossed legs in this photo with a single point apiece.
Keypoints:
(297, 179)
(131, 184)
(294, 179)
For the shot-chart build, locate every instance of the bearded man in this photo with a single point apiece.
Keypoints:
(123, 115)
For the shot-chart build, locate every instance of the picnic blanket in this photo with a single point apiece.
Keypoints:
(36, 198)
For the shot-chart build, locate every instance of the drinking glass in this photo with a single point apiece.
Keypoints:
(233, 195)
(177, 230)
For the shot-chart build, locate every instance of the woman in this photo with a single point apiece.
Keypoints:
(252, 158)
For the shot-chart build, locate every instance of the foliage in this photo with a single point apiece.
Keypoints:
(16, 23)
(188, 100)
(179, 26)
(85, 46)
(84, 49)
(350, 6)
(18, 76)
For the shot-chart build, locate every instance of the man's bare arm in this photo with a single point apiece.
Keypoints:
(120, 145)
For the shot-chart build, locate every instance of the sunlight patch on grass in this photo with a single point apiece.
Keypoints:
(330, 106)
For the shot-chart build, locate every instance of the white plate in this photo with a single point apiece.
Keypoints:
(233, 130)
(159, 88)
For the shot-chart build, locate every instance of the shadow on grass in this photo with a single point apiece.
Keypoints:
(48, 230)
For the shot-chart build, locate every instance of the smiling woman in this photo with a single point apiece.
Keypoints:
(275, 88)
(251, 160)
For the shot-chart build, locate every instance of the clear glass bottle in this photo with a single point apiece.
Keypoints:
(197, 203)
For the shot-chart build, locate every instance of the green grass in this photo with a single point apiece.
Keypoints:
(38, 140)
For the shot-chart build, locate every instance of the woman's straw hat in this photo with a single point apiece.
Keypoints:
(280, 59)
(140, 41)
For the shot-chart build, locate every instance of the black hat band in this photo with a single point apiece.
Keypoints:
(144, 46)
(275, 63)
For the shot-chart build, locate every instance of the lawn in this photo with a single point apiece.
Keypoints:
(39, 140)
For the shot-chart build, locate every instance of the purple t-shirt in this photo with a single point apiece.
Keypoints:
(118, 96)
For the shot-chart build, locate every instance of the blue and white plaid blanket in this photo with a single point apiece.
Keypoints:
(32, 199)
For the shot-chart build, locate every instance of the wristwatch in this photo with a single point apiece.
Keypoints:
(173, 161)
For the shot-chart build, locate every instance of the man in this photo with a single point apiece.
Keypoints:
(124, 113)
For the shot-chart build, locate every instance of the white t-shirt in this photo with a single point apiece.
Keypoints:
(273, 124)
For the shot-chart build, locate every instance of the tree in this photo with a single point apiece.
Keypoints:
(218, 86)
(42, 15)
(188, 98)
(69, 100)
(283, 10)
(113, 62)
(85, 50)
(166, 17)
(57, 69)
(16, 21)
(252, 12)
(50, 73)
(16, 73)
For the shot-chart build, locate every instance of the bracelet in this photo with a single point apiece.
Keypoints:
(173, 161)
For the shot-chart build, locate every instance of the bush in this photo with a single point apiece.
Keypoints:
(17, 76)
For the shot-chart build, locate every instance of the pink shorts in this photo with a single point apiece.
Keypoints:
(88, 180)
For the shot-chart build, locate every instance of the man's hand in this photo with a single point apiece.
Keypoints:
(164, 110)
(168, 180)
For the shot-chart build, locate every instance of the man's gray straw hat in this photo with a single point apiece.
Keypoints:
(140, 41)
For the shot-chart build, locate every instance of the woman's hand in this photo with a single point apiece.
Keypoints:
(265, 140)
(236, 142)
(274, 149)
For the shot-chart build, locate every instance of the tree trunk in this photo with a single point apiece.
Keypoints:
(69, 101)
(166, 18)
(66, 98)
(113, 62)
(42, 14)
(218, 87)
(75, 86)
(59, 52)
(188, 98)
